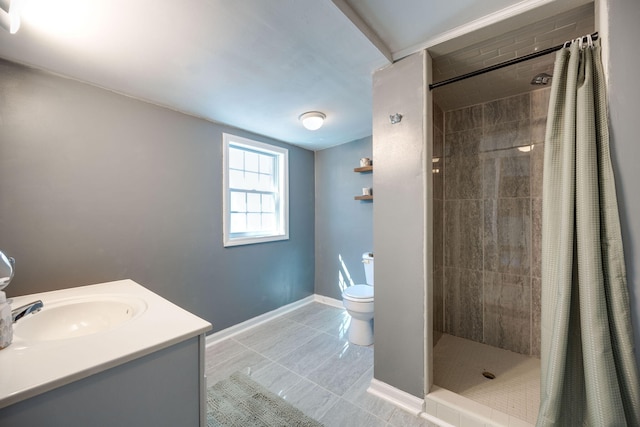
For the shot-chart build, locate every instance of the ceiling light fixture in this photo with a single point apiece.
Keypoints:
(312, 120)
(10, 15)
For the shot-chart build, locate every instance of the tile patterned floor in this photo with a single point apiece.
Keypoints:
(304, 357)
(458, 365)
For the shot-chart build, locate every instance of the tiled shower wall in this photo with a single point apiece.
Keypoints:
(487, 171)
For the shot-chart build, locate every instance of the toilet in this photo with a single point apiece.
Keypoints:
(358, 300)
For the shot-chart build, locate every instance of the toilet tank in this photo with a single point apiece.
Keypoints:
(367, 260)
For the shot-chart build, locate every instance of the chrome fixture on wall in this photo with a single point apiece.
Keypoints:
(395, 118)
(541, 79)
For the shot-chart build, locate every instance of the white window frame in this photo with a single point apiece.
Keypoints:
(282, 202)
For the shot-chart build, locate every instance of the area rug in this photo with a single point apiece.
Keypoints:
(238, 401)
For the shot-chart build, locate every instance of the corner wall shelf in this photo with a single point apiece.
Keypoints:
(360, 170)
(363, 169)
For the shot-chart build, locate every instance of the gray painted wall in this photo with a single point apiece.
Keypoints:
(96, 186)
(400, 155)
(344, 226)
(624, 105)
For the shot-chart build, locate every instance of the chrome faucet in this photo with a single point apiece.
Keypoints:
(25, 310)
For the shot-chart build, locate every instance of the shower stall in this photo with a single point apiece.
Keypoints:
(488, 149)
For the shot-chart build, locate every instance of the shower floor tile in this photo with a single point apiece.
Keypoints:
(458, 366)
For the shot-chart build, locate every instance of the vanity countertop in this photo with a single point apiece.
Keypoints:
(31, 367)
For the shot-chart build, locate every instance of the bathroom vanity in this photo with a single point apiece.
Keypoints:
(112, 354)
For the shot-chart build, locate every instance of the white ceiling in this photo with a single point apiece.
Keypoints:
(251, 64)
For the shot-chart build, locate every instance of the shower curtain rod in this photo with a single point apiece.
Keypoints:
(594, 36)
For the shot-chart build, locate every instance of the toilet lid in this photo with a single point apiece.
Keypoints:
(359, 292)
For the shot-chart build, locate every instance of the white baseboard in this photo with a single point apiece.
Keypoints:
(258, 320)
(247, 324)
(328, 301)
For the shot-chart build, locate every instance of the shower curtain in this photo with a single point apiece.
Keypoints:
(588, 371)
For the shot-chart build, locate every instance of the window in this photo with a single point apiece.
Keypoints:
(256, 191)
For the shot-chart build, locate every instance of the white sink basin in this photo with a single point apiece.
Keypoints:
(77, 317)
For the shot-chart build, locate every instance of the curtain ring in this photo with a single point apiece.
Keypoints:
(581, 44)
(590, 41)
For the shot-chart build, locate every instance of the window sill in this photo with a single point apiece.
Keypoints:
(241, 241)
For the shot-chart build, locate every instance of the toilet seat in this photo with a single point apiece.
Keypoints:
(359, 293)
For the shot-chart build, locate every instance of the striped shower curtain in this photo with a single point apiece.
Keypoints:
(588, 371)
